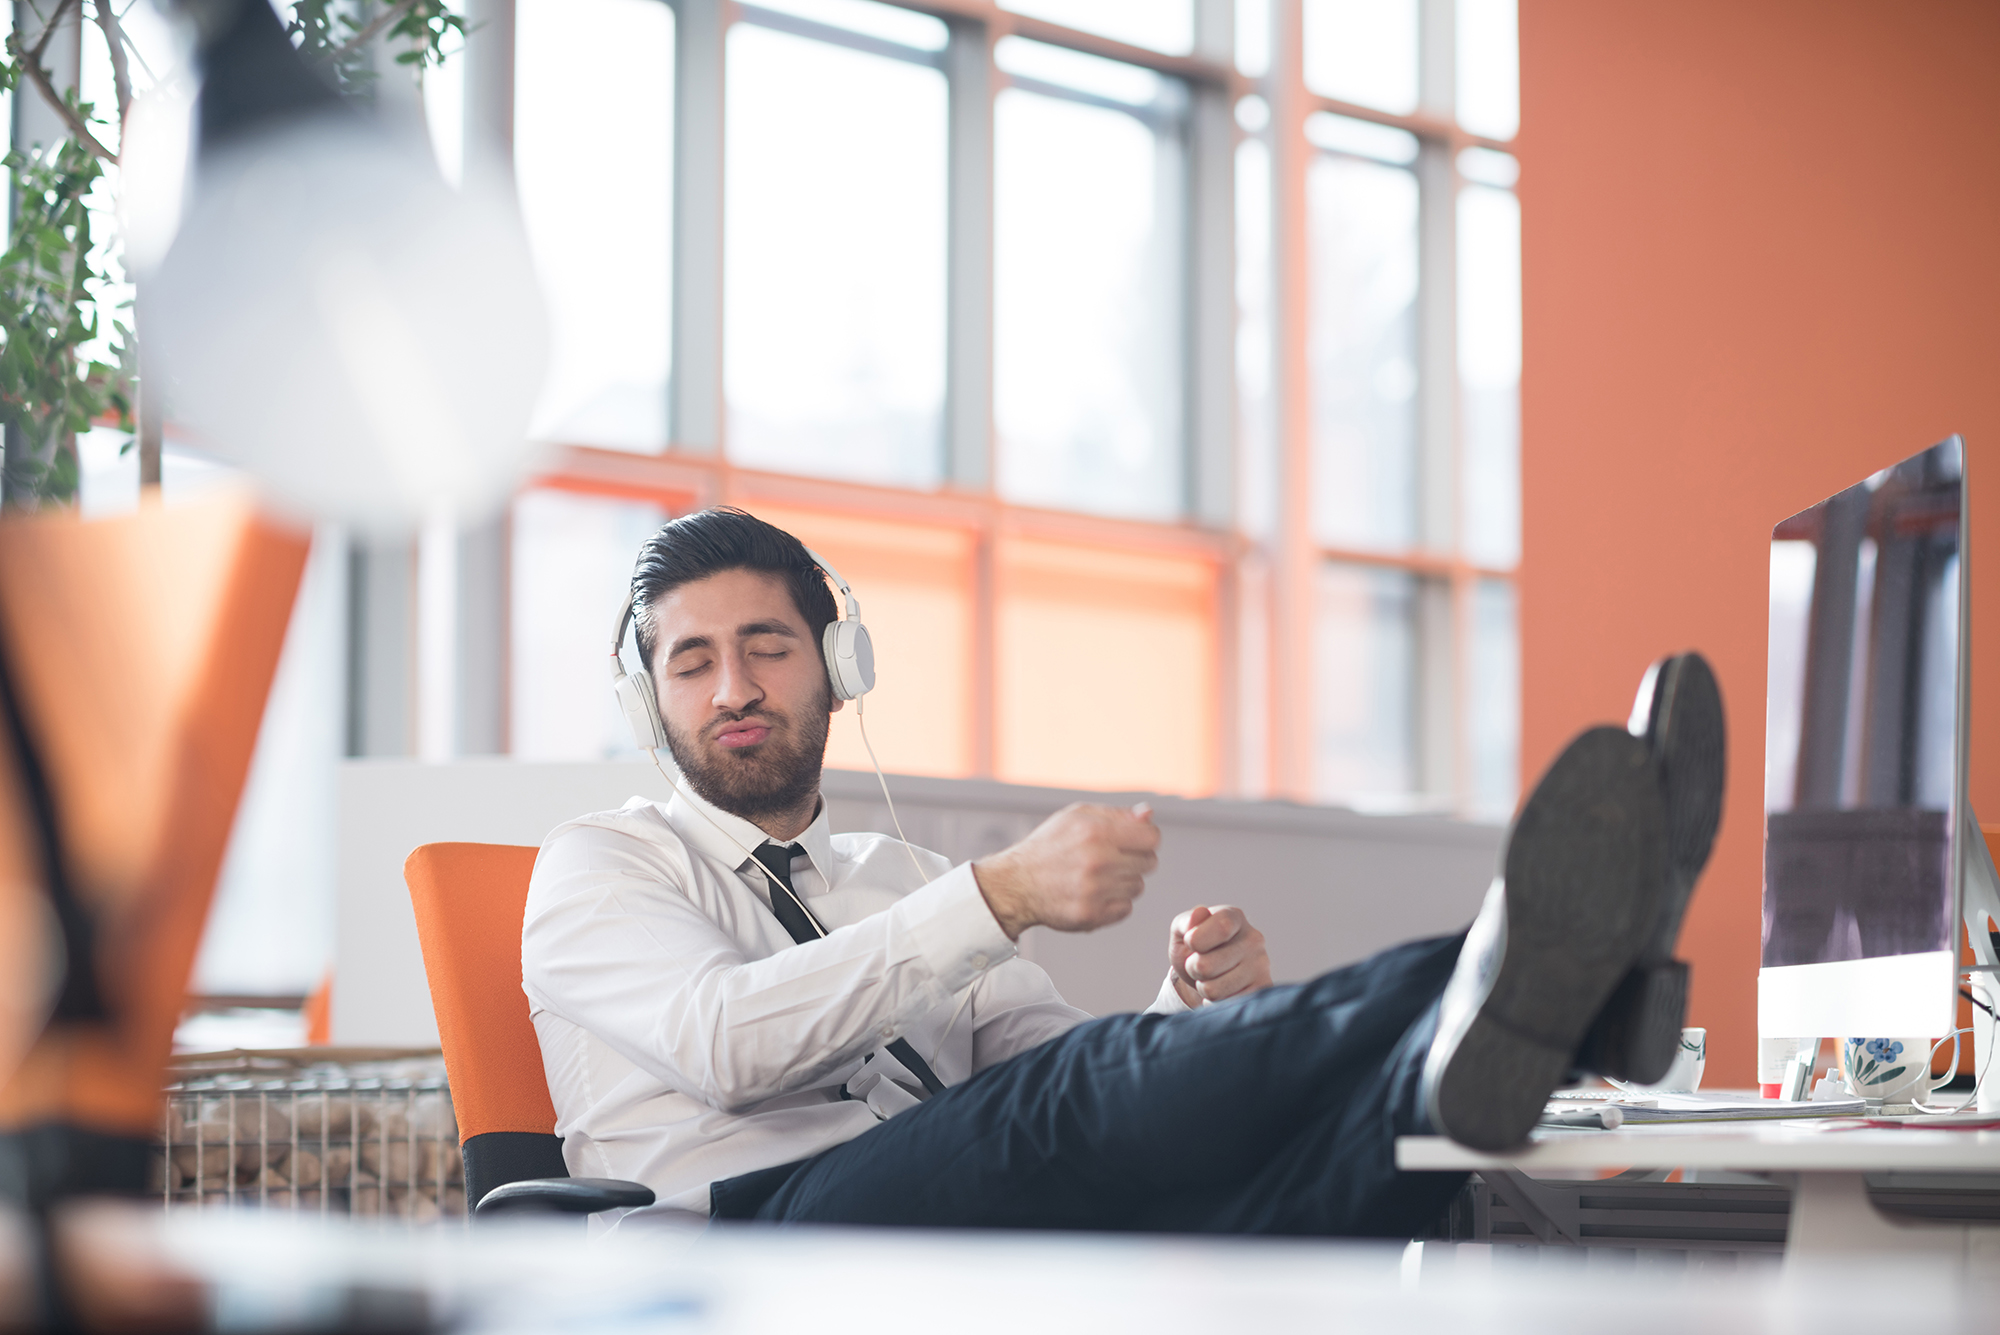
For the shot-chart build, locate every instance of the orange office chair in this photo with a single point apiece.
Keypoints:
(469, 899)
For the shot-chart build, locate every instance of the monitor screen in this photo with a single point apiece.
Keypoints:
(1863, 761)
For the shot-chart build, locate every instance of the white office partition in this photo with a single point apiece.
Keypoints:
(1327, 886)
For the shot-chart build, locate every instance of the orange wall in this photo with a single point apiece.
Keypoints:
(1761, 259)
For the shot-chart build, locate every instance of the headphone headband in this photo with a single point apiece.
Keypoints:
(826, 568)
(849, 655)
(618, 637)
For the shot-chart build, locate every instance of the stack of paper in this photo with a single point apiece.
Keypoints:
(1695, 1108)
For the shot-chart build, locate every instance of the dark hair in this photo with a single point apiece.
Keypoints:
(711, 541)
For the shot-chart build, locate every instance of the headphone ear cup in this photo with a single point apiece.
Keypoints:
(641, 708)
(850, 659)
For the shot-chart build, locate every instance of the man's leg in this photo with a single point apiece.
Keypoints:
(1149, 1121)
(1338, 1176)
(1279, 1112)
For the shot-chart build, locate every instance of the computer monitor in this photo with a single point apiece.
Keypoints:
(1866, 819)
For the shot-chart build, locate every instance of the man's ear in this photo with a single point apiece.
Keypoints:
(834, 708)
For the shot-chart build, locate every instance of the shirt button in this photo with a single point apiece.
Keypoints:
(888, 1031)
(978, 961)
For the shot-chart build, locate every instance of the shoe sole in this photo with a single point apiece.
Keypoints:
(1688, 737)
(1583, 883)
(1679, 713)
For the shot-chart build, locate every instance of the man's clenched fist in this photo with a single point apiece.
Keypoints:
(1080, 870)
(1214, 954)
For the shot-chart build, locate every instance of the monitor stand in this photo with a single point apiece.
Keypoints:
(1980, 901)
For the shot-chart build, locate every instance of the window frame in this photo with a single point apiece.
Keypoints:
(1264, 583)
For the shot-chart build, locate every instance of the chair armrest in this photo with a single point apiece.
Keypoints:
(563, 1195)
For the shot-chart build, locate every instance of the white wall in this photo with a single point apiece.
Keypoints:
(1327, 886)
(270, 929)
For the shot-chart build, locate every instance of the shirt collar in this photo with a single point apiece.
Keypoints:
(712, 836)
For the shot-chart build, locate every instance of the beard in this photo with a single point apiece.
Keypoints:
(775, 777)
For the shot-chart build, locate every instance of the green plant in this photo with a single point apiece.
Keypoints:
(334, 35)
(50, 283)
(48, 312)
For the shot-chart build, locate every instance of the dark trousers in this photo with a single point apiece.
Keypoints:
(1275, 1113)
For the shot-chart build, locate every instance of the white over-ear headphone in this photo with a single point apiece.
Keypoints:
(850, 665)
(850, 655)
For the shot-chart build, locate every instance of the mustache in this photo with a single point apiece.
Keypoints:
(774, 719)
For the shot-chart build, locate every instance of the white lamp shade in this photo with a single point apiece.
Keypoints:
(336, 320)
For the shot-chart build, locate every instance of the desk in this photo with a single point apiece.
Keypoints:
(1831, 1214)
(536, 1277)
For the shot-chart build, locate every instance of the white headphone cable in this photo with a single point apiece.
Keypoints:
(1957, 1054)
(861, 720)
(1979, 1075)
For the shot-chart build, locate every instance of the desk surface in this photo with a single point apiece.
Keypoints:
(537, 1276)
(1800, 1146)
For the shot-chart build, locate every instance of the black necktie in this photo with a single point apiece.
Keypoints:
(791, 914)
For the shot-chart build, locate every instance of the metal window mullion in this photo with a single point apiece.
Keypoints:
(485, 570)
(1438, 677)
(1440, 768)
(1208, 332)
(971, 83)
(489, 84)
(1210, 308)
(1437, 58)
(1159, 119)
(1437, 350)
(777, 21)
(696, 412)
(1437, 292)
(1294, 561)
(1465, 603)
(1419, 123)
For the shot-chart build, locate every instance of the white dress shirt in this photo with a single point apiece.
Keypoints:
(688, 1039)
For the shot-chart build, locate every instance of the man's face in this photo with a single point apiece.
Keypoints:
(742, 691)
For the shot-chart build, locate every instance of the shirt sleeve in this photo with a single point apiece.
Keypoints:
(1016, 1007)
(1169, 1001)
(613, 943)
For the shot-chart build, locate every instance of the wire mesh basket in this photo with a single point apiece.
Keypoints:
(299, 1132)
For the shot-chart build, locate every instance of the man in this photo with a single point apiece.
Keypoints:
(700, 1035)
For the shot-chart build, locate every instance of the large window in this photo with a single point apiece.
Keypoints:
(834, 250)
(593, 154)
(1362, 216)
(1151, 367)
(1401, 417)
(1088, 189)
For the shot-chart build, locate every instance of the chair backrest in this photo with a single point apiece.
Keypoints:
(469, 900)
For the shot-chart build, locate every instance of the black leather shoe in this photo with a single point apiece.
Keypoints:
(1583, 878)
(1678, 713)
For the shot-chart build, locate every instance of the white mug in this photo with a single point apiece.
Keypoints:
(1891, 1070)
(1684, 1076)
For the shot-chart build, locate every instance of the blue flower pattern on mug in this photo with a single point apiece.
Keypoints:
(1866, 1058)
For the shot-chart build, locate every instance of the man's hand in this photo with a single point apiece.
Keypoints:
(1214, 954)
(1080, 870)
